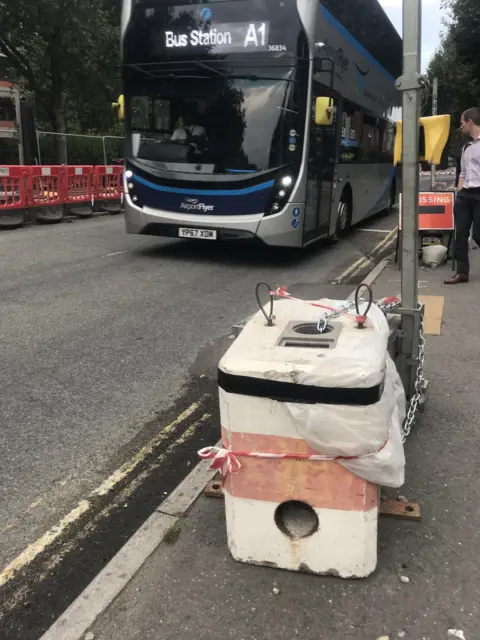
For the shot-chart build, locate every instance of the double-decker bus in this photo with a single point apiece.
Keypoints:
(268, 119)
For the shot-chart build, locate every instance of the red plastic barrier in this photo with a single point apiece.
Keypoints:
(39, 186)
(108, 182)
(78, 184)
(44, 186)
(13, 192)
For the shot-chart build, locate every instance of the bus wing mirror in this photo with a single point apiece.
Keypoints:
(119, 107)
(323, 112)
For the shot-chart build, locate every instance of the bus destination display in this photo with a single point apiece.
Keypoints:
(230, 37)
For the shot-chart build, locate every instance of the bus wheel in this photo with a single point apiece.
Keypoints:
(344, 216)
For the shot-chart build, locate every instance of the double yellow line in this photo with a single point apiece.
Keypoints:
(365, 262)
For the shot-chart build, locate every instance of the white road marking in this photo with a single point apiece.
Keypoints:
(115, 253)
(375, 230)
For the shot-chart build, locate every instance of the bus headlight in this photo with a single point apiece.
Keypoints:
(282, 190)
(130, 188)
(286, 181)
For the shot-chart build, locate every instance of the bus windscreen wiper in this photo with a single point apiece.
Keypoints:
(250, 76)
(208, 67)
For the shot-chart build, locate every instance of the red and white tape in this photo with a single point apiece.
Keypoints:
(228, 462)
(282, 292)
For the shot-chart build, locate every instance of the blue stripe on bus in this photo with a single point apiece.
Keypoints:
(201, 192)
(240, 170)
(348, 36)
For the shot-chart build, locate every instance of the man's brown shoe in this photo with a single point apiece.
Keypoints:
(458, 278)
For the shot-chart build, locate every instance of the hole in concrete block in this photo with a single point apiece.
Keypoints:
(296, 519)
(310, 329)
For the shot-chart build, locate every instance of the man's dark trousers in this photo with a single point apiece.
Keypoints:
(467, 216)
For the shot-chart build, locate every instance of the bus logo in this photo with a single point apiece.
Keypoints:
(193, 204)
(205, 13)
(361, 72)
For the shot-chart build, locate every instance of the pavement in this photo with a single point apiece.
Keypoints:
(427, 581)
(109, 349)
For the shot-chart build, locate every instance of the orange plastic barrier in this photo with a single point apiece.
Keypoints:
(108, 182)
(13, 192)
(44, 186)
(78, 184)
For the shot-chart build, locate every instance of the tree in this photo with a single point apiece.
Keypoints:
(456, 64)
(65, 54)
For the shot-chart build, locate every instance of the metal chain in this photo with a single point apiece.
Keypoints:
(386, 308)
(414, 404)
(419, 388)
(329, 315)
(346, 306)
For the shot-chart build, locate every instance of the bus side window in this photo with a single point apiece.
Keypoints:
(388, 141)
(368, 138)
(351, 135)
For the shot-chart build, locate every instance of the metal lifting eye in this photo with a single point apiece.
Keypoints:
(269, 317)
(361, 318)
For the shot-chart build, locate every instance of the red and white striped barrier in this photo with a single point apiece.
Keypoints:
(41, 187)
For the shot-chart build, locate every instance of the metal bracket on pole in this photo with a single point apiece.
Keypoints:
(407, 355)
(412, 83)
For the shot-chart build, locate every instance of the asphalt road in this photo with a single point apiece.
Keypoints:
(100, 332)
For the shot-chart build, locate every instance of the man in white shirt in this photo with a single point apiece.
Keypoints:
(467, 202)
(188, 129)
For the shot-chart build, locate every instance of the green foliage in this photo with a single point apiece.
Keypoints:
(65, 54)
(456, 64)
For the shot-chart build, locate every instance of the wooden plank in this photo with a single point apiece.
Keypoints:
(402, 510)
(391, 508)
(433, 314)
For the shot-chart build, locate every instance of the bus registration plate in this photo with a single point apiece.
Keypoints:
(201, 234)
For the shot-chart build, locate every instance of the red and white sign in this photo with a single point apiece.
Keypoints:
(435, 211)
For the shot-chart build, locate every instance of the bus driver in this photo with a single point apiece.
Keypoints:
(187, 129)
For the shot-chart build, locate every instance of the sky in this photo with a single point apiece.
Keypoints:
(432, 16)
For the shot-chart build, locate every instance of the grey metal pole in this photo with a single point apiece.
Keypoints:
(39, 161)
(434, 113)
(410, 84)
(18, 115)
